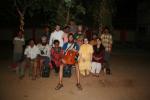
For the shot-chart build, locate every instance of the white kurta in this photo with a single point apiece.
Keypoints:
(56, 35)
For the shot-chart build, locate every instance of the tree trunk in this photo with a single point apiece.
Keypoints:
(21, 19)
(105, 14)
(68, 16)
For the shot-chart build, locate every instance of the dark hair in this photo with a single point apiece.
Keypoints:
(101, 46)
(58, 25)
(31, 40)
(104, 28)
(70, 35)
(99, 38)
(66, 27)
(56, 41)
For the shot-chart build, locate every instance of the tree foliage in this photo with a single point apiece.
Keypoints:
(69, 9)
(39, 12)
(51, 10)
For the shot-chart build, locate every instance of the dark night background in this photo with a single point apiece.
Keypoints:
(125, 14)
(129, 16)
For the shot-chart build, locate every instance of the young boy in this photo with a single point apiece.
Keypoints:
(18, 43)
(56, 56)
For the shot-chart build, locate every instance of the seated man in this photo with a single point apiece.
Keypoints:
(31, 55)
(68, 59)
(44, 53)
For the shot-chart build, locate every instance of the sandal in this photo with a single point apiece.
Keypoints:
(79, 86)
(59, 86)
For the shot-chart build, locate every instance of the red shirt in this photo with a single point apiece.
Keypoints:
(56, 55)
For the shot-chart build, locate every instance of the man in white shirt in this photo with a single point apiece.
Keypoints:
(57, 35)
(31, 55)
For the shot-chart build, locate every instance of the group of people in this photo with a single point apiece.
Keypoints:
(62, 50)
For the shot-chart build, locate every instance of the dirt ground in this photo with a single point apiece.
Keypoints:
(129, 81)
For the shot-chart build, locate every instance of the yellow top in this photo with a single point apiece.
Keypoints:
(85, 58)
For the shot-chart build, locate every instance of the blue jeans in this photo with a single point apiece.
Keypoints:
(46, 60)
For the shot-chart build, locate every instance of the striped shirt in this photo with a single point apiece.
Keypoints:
(107, 41)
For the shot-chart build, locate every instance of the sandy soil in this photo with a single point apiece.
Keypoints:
(129, 81)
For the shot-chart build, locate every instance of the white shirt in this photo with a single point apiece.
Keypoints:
(32, 53)
(56, 35)
(19, 39)
(45, 49)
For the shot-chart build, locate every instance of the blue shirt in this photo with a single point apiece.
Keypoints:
(67, 45)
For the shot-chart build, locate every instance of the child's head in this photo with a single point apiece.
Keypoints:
(106, 30)
(56, 43)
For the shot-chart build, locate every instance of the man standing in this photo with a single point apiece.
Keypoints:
(56, 35)
(106, 38)
(18, 43)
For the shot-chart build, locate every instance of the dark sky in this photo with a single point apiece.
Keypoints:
(126, 14)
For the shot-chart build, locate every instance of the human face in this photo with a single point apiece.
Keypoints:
(20, 34)
(79, 28)
(70, 38)
(106, 31)
(57, 28)
(44, 39)
(56, 44)
(72, 23)
(85, 41)
(66, 30)
(99, 41)
(31, 43)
